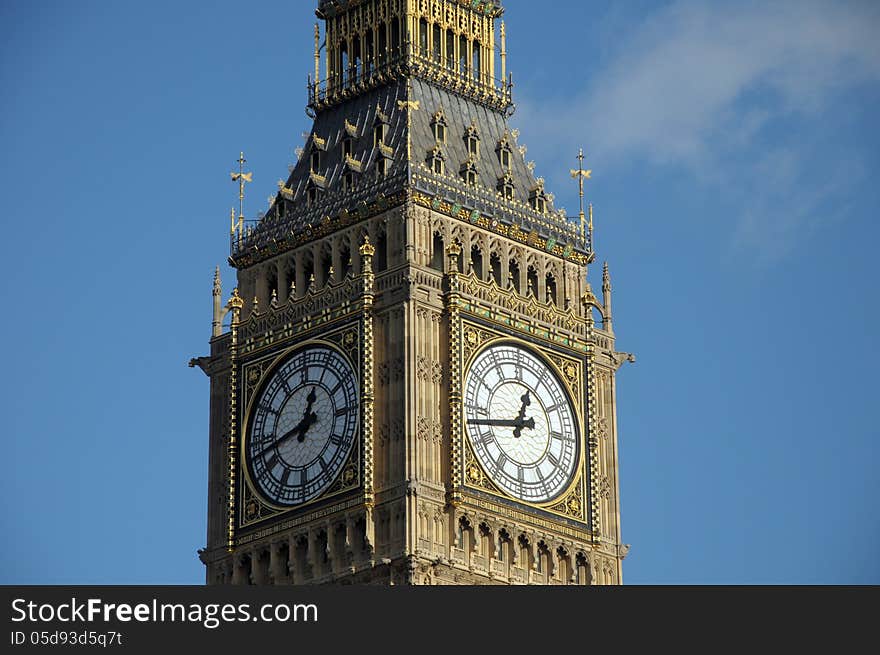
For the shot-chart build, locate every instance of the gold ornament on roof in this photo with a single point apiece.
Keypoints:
(367, 249)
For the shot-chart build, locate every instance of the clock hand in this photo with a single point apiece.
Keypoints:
(304, 425)
(526, 401)
(505, 423)
(300, 429)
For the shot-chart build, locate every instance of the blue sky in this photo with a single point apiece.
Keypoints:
(732, 149)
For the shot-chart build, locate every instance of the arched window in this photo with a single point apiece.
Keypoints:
(380, 261)
(423, 38)
(513, 274)
(312, 195)
(495, 265)
(532, 278)
(477, 261)
(437, 253)
(462, 55)
(369, 54)
(437, 42)
(343, 62)
(476, 61)
(356, 57)
(345, 260)
(383, 43)
(378, 134)
(395, 38)
(450, 49)
(551, 288)
(326, 268)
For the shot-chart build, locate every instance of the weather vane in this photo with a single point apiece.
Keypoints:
(580, 175)
(241, 177)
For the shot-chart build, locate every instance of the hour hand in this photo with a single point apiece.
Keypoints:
(504, 423)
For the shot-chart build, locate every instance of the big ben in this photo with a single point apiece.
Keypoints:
(413, 381)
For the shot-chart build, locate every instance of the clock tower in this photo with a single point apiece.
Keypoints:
(413, 381)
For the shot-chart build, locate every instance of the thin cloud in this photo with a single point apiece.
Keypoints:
(706, 86)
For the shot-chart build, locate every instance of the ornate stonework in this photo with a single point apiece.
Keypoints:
(410, 268)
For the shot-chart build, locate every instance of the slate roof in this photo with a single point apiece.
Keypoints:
(358, 116)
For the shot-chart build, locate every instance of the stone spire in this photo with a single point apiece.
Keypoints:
(606, 298)
(217, 322)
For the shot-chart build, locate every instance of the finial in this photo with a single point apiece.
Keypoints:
(292, 288)
(218, 289)
(235, 300)
(590, 226)
(580, 175)
(453, 249)
(241, 177)
(256, 304)
(317, 80)
(367, 249)
(274, 302)
(232, 221)
(503, 52)
(606, 278)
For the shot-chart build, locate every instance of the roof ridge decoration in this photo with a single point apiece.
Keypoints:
(354, 164)
(381, 116)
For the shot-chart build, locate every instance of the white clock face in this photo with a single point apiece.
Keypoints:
(303, 426)
(520, 423)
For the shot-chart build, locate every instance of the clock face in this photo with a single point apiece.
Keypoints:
(303, 426)
(520, 423)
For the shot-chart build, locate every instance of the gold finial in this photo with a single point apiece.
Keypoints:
(580, 175)
(274, 301)
(367, 249)
(232, 221)
(503, 53)
(235, 301)
(256, 305)
(241, 177)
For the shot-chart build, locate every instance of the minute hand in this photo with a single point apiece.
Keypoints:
(505, 423)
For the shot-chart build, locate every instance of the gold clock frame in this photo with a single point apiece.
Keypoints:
(253, 508)
(574, 501)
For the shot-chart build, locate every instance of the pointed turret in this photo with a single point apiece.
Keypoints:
(606, 298)
(217, 322)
